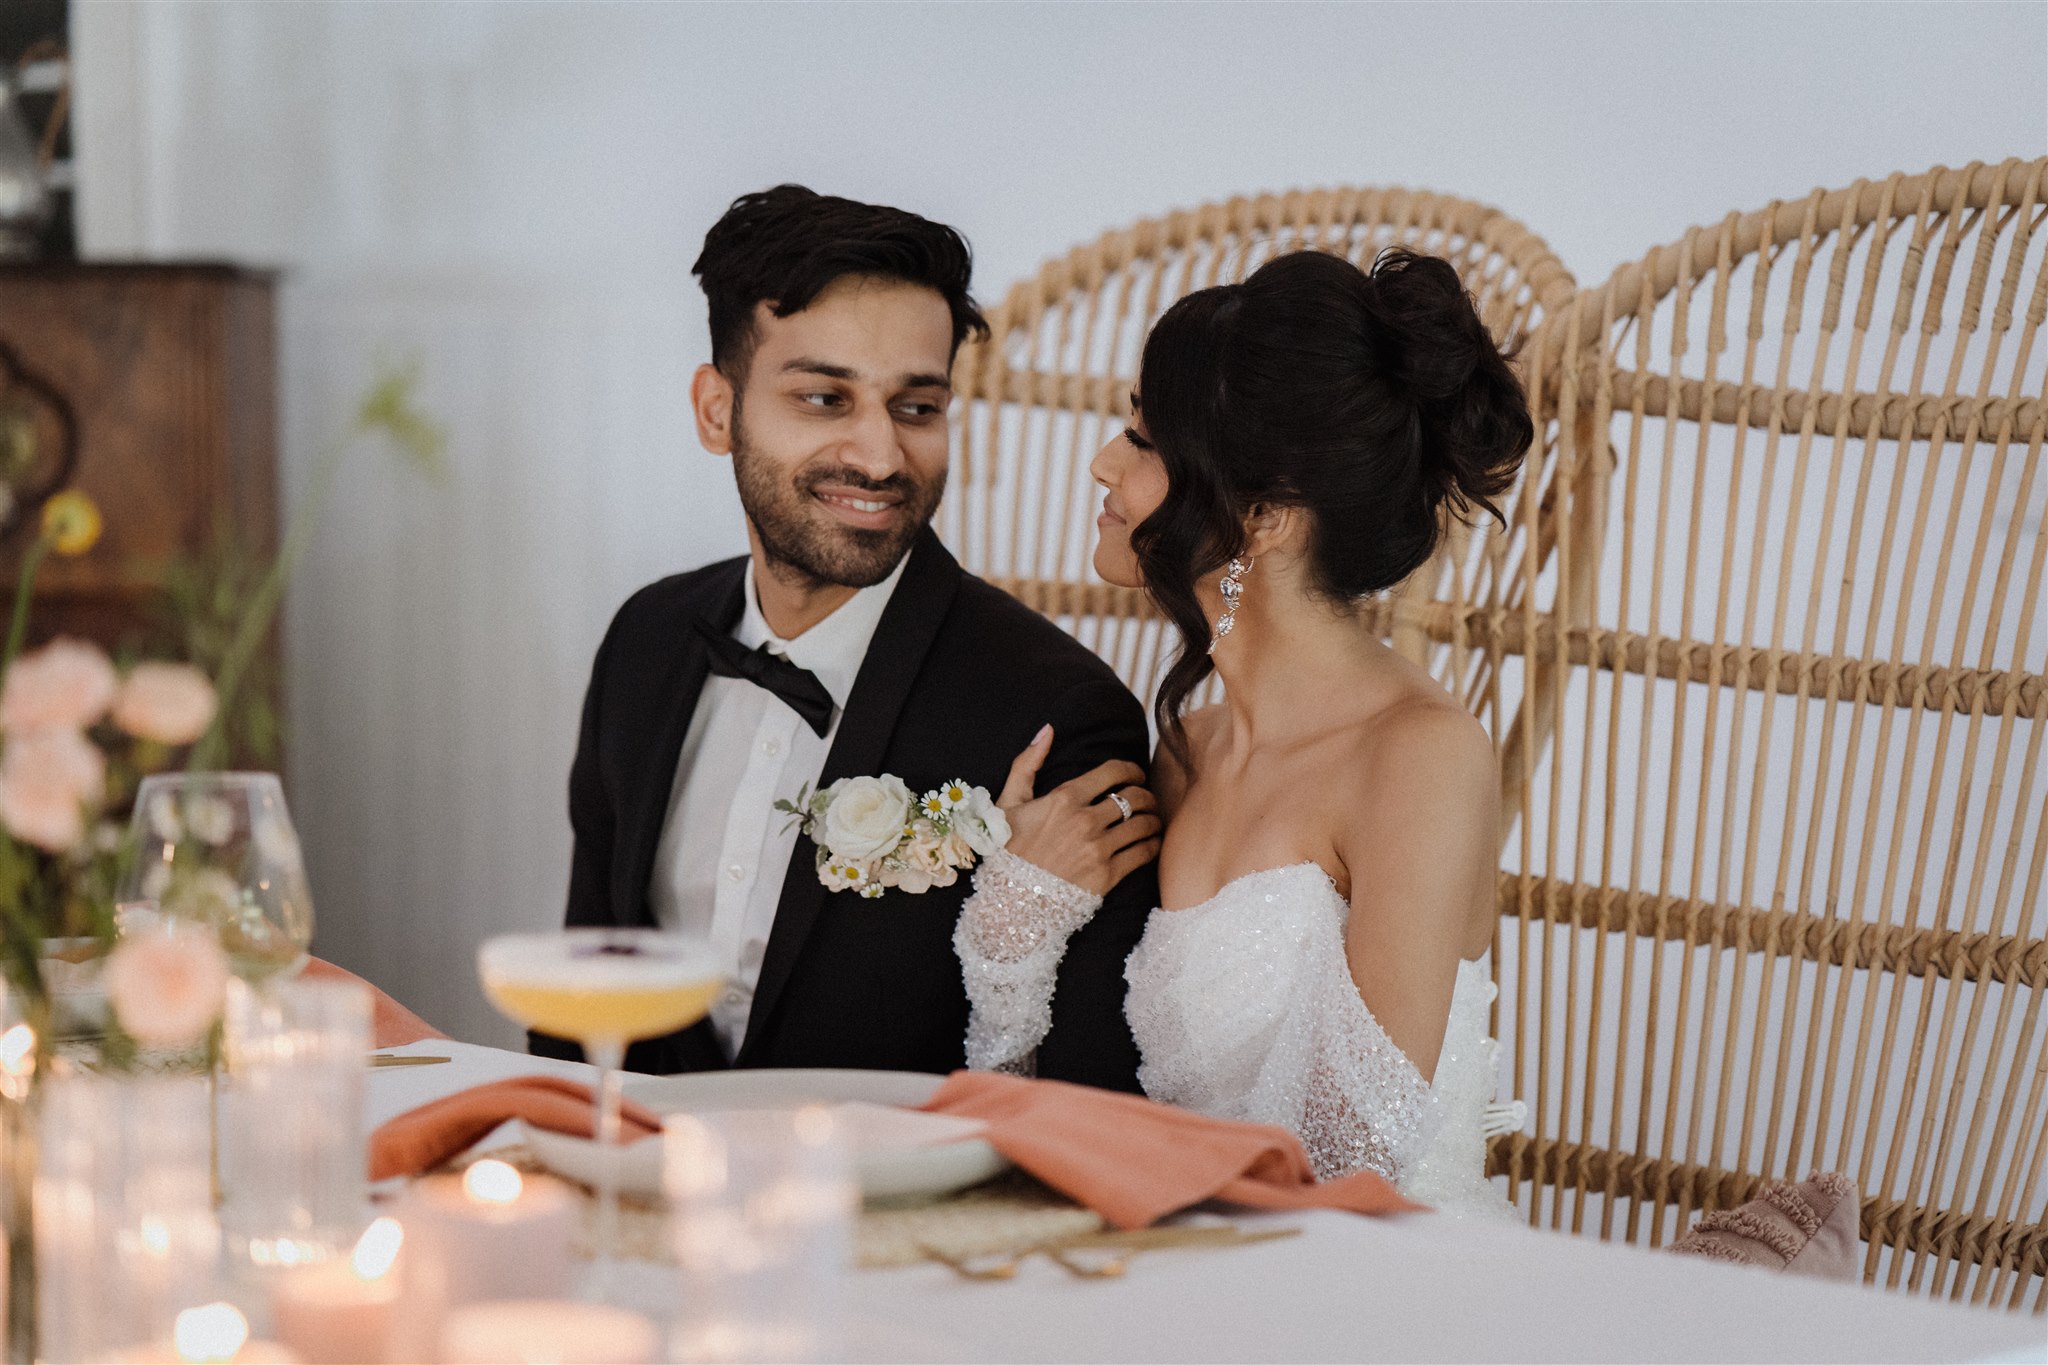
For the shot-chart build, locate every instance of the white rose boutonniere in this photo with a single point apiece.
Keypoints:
(864, 817)
(874, 835)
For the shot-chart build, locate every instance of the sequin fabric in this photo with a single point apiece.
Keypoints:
(1244, 1007)
(1012, 933)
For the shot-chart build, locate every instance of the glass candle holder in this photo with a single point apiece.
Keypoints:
(294, 1182)
(126, 1234)
(763, 1204)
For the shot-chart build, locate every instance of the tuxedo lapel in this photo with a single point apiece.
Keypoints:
(645, 805)
(895, 655)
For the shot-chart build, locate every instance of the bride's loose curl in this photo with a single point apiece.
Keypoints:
(1376, 401)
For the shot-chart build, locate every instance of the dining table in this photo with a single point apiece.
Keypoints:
(1408, 1287)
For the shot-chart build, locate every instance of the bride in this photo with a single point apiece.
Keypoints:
(1330, 828)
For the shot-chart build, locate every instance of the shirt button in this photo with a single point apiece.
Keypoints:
(771, 747)
(736, 873)
(732, 997)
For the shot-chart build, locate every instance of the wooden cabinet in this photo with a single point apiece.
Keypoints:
(170, 373)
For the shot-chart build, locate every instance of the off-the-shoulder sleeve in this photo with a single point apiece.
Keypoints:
(1012, 933)
(1364, 1106)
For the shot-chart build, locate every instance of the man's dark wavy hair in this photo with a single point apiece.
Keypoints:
(783, 246)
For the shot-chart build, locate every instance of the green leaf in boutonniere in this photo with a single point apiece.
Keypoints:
(799, 811)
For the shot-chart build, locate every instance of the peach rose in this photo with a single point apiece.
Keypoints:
(47, 780)
(65, 685)
(169, 703)
(166, 983)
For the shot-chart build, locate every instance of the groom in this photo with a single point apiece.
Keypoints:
(846, 643)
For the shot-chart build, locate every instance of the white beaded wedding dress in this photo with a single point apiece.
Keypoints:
(1244, 1007)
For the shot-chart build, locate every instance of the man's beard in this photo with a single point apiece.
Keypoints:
(822, 552)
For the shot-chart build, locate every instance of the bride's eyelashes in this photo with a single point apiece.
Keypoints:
(1131, 435)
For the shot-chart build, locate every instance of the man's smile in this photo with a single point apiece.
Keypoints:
(860, 508)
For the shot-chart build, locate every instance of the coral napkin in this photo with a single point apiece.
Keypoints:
(421, 1139)
(1134, 1161)
(391, 1024)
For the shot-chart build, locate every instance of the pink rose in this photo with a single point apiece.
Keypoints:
(166, 982)
(169, 703)
(47, 779)
(65, 685)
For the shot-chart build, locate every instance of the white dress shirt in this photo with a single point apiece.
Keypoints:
(718, 872)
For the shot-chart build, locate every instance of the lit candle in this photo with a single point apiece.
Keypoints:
(17, 1061)
(212, 1334)
(489, 1234)
(341, 1312)
(555, 1331)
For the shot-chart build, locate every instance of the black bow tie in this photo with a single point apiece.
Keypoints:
(798, 687)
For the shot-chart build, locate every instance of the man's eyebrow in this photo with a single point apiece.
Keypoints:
(827, 370)
(806, 365)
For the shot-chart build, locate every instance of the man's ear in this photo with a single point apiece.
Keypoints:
(1273, 529)
(711, 397)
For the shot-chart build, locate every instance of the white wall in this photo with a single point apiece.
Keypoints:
(516, 192)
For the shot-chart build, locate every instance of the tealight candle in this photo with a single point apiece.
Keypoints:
(341, 1312)
(17, 1061)
(557, 1331)
(212, 1334)
(489, 1234)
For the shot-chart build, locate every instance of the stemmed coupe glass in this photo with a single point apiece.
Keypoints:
(603, 988)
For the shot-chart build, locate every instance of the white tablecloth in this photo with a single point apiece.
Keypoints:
(1417, 1287)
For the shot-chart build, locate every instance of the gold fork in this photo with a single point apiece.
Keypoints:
(966, 1267)
(1073, 1254)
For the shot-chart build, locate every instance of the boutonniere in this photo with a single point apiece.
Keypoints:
(874, 835)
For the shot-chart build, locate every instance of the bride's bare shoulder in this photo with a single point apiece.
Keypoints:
(1423, 751)
(1418, 826)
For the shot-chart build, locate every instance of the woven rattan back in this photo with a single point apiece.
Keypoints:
(1775, 902)
(1053, 383)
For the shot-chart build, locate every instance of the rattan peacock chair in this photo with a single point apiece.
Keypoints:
(1053, 383)
(1774, 901)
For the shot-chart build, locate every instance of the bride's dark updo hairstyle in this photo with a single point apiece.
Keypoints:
(1370, 399)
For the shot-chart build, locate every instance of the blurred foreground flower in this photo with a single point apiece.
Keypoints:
(165, 703)
(48, 781)
(67, 684)
(71, 522)
(166, 982)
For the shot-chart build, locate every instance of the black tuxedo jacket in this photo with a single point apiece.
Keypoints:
(958, 677)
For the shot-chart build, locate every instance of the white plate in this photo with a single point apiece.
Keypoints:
(895, 1173)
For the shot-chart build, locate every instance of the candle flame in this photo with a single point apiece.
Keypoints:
(210, 1334)
(377, 1249)
(492, 1182)
(18, 1050)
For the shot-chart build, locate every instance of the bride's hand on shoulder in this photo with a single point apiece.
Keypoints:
(1076, 831)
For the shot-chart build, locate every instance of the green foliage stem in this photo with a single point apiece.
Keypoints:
(387, 408)
(17, 628)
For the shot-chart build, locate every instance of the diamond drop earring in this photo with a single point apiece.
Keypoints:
(1232, 588)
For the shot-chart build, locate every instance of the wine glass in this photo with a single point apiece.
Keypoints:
(603, 988)
(219, 849)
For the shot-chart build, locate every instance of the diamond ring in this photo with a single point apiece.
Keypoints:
(1117, 800)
